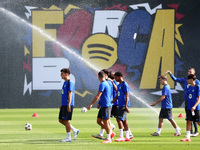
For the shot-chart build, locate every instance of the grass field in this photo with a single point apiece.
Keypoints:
(47, 131)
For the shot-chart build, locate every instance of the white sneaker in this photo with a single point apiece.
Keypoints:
(65, 140)
(75, 134)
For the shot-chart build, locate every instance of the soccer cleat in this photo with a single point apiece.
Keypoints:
(195, 134)
(65, 140)
(112, 135)
(131, 136)
(97, 136)
(75, 134)
(107, 141)
(120, 139)
(127, 140)
(177, 134)
(185, 140)
(155, 134)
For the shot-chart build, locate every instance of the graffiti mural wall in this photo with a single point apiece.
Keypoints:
(142, 39)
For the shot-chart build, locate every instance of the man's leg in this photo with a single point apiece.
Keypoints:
(175, 127)
(188, 128)
(108, 130)
(67, 125)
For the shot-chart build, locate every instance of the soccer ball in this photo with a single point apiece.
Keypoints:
(83, 110)
(113, 126)
(28, 126)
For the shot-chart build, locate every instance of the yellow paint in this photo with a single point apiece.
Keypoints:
(69, 7)
(40, 19)
(160, 50)
(26, 51)
(84, 94)
(104, 40)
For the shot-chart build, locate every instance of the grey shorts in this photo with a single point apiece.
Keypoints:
(166, 114)
(104, 113)
(122, 114)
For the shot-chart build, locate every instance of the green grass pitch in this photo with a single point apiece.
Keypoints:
(47, 131)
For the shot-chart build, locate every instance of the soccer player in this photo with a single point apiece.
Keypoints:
(66, 109)
(124, 103)
(103, 118)
(166, 107)
(184, 82)
(115, 106)
(193, 108)
(110, 83)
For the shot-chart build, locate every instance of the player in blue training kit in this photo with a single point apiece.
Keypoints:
(124, 103)
(103, 118)
(183, 81)
(193, 108)
(100, 135)
(66, 108)
(166, 107)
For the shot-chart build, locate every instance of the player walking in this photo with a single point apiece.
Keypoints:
(124, 103)
(66, 108)
(103, 118)
(166, 107)
(193, 108)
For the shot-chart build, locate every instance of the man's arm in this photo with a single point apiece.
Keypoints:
(69, 101)
(160, 99)
(126, 103)
(194, 107)
(95, 99)
(179, 80)
(116, 97)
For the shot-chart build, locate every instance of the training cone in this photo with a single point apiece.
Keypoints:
(35, 115)
(181, 116)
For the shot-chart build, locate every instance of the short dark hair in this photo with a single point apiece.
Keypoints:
(192, 76)
(101, 74)
(65, 70)
(106, 71)
(118, 74)
(162, 77)
(111, 75)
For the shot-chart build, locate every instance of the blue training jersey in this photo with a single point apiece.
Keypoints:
(167, 102)
(105, 99)
(183, 81)
(122, 88)
(115, 93)
(193, 93)
(67, 86)
(111, 89)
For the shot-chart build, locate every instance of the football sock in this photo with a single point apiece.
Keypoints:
(177, 130)
(101, 132)
(159, 130)
(127, 134)
(73, 129)
(121, 133)
(188, 134)
(108, 137)
(69, 135)
(129, 130)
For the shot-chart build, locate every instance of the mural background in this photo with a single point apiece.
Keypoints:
(85, 28)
